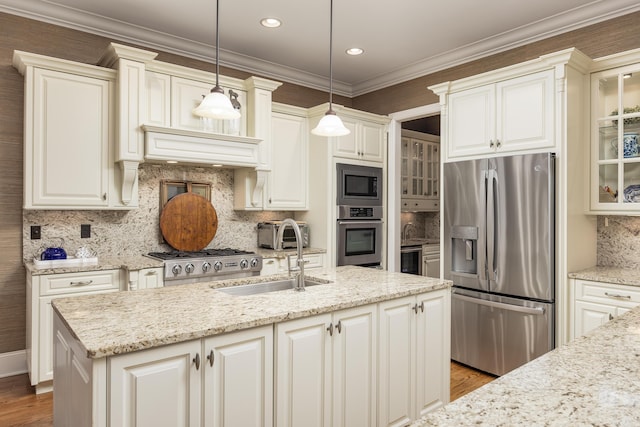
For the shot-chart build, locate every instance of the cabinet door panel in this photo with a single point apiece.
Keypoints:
(396, 361)
(354, 368)
(590, 316)
(526, 112)
(432, 387)
(239, 385)
(71, 132)
(157, 387)
(303, 372)
(347, 145)
(287, 182)
(471, 121)
(185, 96)
(372, 147)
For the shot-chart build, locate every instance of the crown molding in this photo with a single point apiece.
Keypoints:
(52, 13)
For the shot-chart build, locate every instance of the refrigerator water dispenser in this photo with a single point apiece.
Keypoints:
(464, 249)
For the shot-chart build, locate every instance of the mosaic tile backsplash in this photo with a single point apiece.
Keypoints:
(135, 232)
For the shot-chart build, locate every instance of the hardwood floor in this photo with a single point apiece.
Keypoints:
(465, 379)
(20, 406)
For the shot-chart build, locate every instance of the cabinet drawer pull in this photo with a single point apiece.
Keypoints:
(617, 296)
(82, 283)
(151, 273)
(196, 360)
(330, 329)
(210, 358)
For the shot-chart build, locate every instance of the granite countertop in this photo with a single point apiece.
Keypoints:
(617, 275)
(121, 322)
(104, 263)
(419, 241)
(592, 381)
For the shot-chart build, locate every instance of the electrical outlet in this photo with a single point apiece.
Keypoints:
(35, 232)
(85, 231)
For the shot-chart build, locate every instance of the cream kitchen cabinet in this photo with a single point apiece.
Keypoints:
(420, 171)
(431, 260)
(414, 353)
(68, 134)
(365, 142)
(145, 278)
(615, 144)
(287, 186)
(595, 303)
(225, 380)
(326, 369)
(508, 116)
(284, 265)
(41, 290)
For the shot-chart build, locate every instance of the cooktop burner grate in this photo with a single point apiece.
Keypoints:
(198, 254)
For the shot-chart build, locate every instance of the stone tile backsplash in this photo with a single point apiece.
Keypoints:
(135, 232)
(619, 242)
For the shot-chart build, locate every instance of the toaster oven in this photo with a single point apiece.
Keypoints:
(268, 234)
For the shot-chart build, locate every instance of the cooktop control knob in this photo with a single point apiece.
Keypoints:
(176, 269)
(254, 262)
(206, 266)
(217, 266)
(244, 263)
(189, 268)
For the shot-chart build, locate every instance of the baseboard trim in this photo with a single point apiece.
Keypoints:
(13, 363)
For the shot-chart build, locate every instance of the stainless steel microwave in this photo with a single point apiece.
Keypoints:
(358, 185)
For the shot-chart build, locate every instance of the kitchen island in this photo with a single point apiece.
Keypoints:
(119, 354)
(592, 381)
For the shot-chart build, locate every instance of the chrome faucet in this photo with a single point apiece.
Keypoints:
(299, 244)
(405, 231)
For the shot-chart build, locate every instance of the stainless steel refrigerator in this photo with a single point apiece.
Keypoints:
(499, 252)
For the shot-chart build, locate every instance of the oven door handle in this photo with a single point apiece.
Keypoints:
(356, 222)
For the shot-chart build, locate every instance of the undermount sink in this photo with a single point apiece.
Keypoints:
(270, 286)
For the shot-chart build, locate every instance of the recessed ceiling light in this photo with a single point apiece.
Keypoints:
(354, 51)
(270, 22)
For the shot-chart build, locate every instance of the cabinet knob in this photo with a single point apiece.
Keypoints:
(491, 143)
(330, 329)
(415, 308)
(196, 360)
(610, 316)
(498, 143)
(210, 358)
(339, 326)
(104, 196)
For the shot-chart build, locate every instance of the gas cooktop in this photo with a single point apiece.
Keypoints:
(208, 264)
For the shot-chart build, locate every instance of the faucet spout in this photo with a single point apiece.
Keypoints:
(405, 231)
(299, 243)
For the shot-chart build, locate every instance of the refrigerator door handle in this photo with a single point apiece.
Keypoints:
(510, 307)
(492, 178)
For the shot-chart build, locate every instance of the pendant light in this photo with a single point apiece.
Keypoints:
(216, 105)
(330, 124)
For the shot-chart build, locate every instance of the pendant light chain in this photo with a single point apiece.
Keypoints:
(218, 42)
(331, 56)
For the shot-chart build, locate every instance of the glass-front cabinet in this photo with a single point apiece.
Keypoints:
(615, 167)
(420, 171)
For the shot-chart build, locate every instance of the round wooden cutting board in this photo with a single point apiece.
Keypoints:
(188, 222)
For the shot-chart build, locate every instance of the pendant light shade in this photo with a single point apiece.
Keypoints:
(216, 105)
(330, 124)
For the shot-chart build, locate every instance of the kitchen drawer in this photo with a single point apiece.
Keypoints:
(607, 293)
(419, 205)
(311, 261)
(431, 249)
(279, 265)
(90, 281)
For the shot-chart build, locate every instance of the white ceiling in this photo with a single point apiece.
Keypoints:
(402, 39)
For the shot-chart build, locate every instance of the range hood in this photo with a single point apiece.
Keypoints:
(164, 144)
